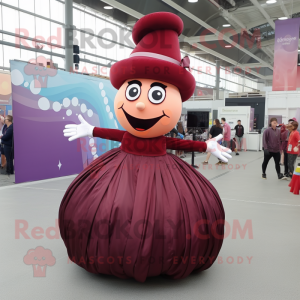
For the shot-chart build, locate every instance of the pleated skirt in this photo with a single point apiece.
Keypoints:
(140, 216)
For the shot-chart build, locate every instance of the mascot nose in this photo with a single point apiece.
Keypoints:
(140, 106)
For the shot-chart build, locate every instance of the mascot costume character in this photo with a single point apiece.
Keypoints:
(137, 211)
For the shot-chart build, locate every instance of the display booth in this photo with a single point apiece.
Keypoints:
(252, 139)
(44, 101)
(257, 103)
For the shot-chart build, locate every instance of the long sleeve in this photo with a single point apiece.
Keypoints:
(265, 136)
(177, 144)
(8, 134)
(242, 130)
(108, 134)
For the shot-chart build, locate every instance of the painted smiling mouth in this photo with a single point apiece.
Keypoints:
(142, 124)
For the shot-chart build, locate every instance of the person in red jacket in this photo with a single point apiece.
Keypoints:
(293, 147)
(136, 210)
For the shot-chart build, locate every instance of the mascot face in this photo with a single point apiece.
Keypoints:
(148, 108)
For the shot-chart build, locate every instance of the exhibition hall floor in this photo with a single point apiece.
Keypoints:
(263, 267)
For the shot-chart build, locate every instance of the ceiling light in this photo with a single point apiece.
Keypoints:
(283, 18)
(226, 25)
(228, 46)
(271, 1)
(193, 1)
(108, 7)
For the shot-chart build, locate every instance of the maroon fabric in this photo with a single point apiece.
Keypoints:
(163, 42)
(156, 21)
(144, 214)
(271, 139)
(156, 69)
(109, 134)
(139, 216)
(283, 137)
(156, 33)
(148, 147)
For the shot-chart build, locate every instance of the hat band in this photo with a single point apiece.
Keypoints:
(157, 56)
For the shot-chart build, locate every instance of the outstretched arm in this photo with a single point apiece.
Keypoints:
(84, 129)
(211, 146)
(186, 145)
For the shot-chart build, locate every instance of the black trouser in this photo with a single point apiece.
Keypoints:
(286, 168)
(268, 156)
(9, 159)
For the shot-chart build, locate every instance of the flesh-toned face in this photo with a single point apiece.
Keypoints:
(274, 124)
(148, 108)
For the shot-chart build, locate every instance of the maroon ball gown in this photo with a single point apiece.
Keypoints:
(137, 211)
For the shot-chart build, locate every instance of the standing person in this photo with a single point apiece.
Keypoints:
(3, 130)
(239, 134)
(215, 130)
(233, 146)
(226, 133)
(284, 142)
(271, 143)
(7, 140)
(293, 147)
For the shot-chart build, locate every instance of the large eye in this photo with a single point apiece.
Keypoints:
(157, 95)
(133, 92)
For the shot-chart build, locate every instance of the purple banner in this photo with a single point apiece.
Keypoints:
(44, 101)
(286, 54)
(251, 119)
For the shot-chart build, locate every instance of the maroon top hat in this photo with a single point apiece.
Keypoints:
(157, 55)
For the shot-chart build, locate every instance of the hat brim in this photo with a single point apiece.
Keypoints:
(156, 69)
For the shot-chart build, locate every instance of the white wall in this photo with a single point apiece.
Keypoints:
(262, 87)
(283, 103)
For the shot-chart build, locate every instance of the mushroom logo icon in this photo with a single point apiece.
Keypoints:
(41, 69)
(39, 258)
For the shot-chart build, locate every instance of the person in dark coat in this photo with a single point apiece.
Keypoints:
(7, 140)
(3, 130)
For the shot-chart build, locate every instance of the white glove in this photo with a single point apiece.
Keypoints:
(77, 131)
(217, 150)
(296, 149)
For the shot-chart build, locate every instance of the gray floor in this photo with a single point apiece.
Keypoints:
(273, 272)
(6, 180)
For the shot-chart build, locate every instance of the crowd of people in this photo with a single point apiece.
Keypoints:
(282, 140)
(235, 144)
(7, 144)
